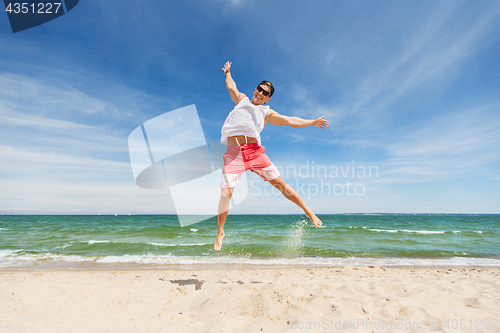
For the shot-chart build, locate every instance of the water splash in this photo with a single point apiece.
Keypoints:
(294, 240)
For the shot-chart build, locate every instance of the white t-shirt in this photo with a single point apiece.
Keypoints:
(245, 119)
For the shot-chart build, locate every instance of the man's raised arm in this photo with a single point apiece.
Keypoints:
(275, 118)
(236, 96)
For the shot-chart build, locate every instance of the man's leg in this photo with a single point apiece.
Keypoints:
(225, 197)
(294, 197)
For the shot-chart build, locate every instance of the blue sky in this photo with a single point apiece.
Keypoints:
(411, 89)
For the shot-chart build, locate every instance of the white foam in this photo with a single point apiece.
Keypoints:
(64, 246)
(382, 230)
(90, 242)
(8, 260)
(409, 231)
(181, 244)
(6, 253)
(424, 231)
(74, 259)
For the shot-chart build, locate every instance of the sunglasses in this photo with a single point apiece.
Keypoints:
(263, 91)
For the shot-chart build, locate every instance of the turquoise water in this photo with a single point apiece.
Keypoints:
(137, 241)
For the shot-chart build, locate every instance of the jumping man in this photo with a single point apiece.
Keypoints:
(241, 134)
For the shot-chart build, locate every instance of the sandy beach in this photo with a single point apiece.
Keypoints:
(337, 299)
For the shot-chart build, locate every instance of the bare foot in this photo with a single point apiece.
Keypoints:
(218, 242)
(314, 219)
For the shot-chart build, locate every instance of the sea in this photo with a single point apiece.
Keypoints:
(54, 242)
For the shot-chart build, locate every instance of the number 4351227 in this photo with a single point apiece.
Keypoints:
(39, 8)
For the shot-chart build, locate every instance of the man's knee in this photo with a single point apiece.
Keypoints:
(226, 194)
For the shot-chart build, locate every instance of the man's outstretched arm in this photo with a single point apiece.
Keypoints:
(236, 96)
(275, 118)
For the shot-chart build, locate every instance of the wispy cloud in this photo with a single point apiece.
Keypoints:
(73, 96)
(64, 149)
(25, 164)
(451, 145)
(427, 57)
(418, 58)
(19, 209)
(53, 196)
(53, 114)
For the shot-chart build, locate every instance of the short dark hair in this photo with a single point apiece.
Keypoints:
(269, 85)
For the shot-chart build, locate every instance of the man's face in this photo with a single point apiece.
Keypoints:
(259, 95)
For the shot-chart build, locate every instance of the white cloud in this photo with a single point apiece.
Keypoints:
(464, 142)
(65, 150)
(25, 164)
(46, 96)
(90, 197)
(19, 209)
(85, 98)
(415, 60)
(428, 58)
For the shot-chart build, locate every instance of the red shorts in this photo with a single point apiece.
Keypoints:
(240, 158)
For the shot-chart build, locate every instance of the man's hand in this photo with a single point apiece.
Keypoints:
(227, 67)
(320, 122)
